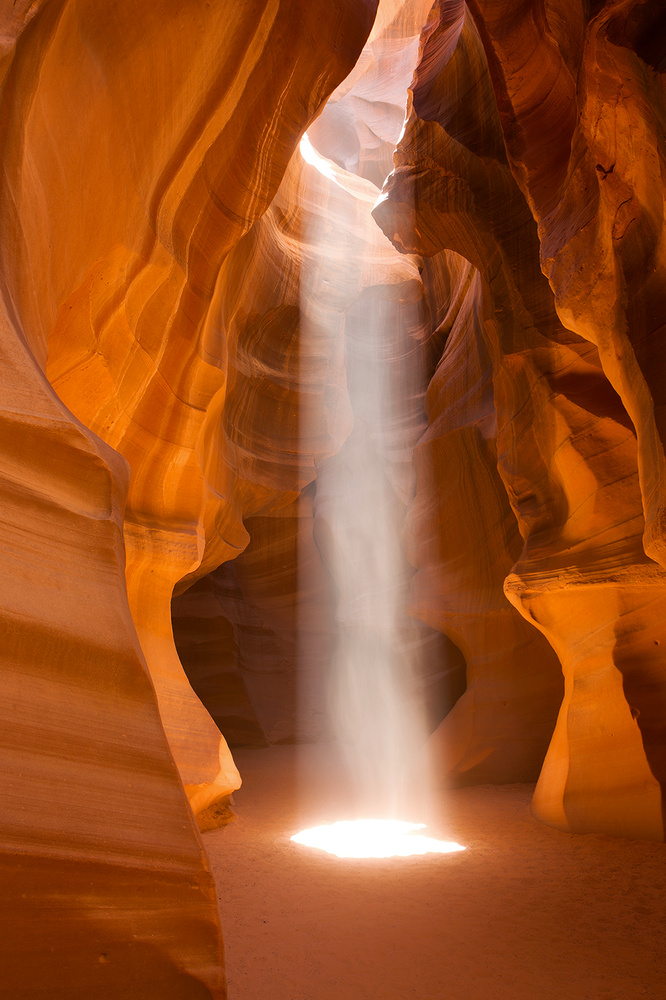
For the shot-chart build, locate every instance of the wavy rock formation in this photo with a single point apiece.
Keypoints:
(187, 293)
(105, 891)
(139, 144)
(463, 537)
(572, 453)
(125, 316)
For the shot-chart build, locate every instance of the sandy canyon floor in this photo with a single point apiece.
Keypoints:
(524, 913)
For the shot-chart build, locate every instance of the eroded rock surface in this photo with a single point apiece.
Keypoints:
(104, 887)
(139, 144)
(508, 179)
(184, 289)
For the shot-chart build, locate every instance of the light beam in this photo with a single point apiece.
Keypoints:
(373, 838)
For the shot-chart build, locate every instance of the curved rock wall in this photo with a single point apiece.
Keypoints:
(95, 827)
(120, 307)
(507, 179)
(139, 144)
(176, 394)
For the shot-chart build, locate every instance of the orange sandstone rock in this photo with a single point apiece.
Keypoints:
(122, 210)
(585, 138)
(463, 539)
(104, 886)
(139, 144)
(567, 447)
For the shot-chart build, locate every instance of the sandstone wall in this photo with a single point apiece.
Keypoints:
(176, 338)
(521, 154)
(139, 143)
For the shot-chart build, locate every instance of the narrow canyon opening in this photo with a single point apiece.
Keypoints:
(333, 488)
(368, 679)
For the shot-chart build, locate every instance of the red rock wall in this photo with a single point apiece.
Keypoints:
(139, 143)
(521, 154)
(163, 411)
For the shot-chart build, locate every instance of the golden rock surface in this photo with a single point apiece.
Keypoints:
(184, 284)
(521, 155)
(140, 142)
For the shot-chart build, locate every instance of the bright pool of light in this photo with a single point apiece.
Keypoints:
(373, 838)
(311, 156)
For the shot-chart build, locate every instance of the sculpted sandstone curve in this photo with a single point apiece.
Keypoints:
(569, 449)
(122, 314)
(167, 251)
(140, 142)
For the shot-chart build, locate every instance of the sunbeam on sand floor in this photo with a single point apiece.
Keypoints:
(373, 838)
(525, 913)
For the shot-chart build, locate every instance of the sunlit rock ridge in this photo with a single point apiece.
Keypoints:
(175, 395)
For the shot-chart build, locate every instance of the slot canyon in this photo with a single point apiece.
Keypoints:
(333, 339)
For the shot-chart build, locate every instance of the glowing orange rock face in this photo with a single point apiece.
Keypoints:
(122, 305)
(139, 142)
(155, 265)
(103, 885)
(576, 363)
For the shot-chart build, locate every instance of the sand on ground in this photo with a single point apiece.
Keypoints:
(524, 913)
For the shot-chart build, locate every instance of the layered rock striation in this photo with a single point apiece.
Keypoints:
(139, 143)
(187, 285)
(514, 179)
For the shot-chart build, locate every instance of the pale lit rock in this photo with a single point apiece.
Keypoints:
(362, 120)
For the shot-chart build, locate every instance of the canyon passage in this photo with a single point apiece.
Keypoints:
(332, 356)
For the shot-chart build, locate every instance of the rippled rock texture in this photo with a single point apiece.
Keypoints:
(140, 142)
(534, 149)
(186, 290)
